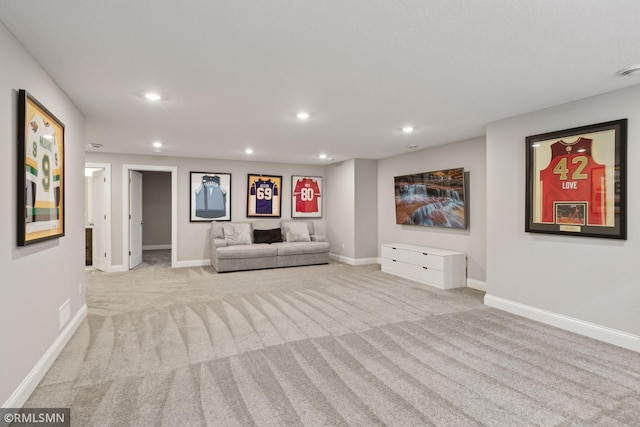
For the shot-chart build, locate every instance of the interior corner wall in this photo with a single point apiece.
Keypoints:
(156, 209)
(366, 209)
(193, 237)
(339, 206)
(36, 279)
(470, 155)
(585, 279)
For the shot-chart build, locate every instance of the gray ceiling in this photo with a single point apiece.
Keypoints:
(234, 73)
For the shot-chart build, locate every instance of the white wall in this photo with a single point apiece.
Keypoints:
(366, 206)
(193, 237)
(39, 278)
(468, 154)
(586, 279)
(340, 208)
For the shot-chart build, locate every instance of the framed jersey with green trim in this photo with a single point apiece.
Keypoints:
(40, 172)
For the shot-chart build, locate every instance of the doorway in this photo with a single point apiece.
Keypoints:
(97, 216)
(132, 216)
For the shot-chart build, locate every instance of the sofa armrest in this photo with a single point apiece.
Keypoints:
(215, 244)
(218, 243)
(317, 238)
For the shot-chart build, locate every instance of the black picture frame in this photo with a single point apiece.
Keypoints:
(41, 179)
(576, 181)
(209, 196)
(264, 196)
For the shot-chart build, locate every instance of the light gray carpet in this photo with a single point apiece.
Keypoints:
(324, 345)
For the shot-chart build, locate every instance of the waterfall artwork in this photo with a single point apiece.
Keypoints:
(431, 199)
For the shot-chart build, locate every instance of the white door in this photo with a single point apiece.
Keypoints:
(99, 214)
(135, 218)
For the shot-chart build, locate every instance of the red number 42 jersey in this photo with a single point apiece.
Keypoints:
(574, 176)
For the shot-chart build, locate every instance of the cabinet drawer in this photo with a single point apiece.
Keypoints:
(423, 259)
(435, 277)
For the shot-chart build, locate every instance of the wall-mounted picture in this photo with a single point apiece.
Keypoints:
(210, 196)
(306, 197)
(40, 172)
(431, 199)
(576, 181)
(263, 195)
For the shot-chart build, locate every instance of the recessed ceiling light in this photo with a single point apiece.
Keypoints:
(407, 129)
(157, 144)
(631, 71)
(248, 151)
(323, 156)
(152, 96)
(302, 115)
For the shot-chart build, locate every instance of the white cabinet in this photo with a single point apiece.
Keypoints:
(436, 267)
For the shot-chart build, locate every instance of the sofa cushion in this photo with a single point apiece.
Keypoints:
(257, 250)
(267, 236)
(216, 230)
(265, 224)
(296, 232)
(298, 248)
(237, 233)
(309, 225)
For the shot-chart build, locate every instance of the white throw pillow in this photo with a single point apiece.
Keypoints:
(296, 232)
(237, 234)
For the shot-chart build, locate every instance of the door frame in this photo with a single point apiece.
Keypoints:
(135, 230)
(125, 209)
(107, 240)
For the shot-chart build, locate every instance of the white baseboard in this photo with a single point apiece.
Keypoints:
(477, 284)
(156, 247)
(591, 330)
(26, 387)
(365, 261)
(353, 261)
(193, 263)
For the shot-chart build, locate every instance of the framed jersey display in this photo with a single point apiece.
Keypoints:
(40, 172)
(576, 181)
(263, 196)
(210, 196)
(306, 197)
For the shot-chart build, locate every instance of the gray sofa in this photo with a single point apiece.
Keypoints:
(233, 250)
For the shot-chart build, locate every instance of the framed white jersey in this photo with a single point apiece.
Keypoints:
(41, 178)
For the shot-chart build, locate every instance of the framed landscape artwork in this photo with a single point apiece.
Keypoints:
(306, 197)
(210, 196)
(431, 199)
(40, 172)
(263, 195)
(576, 181)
